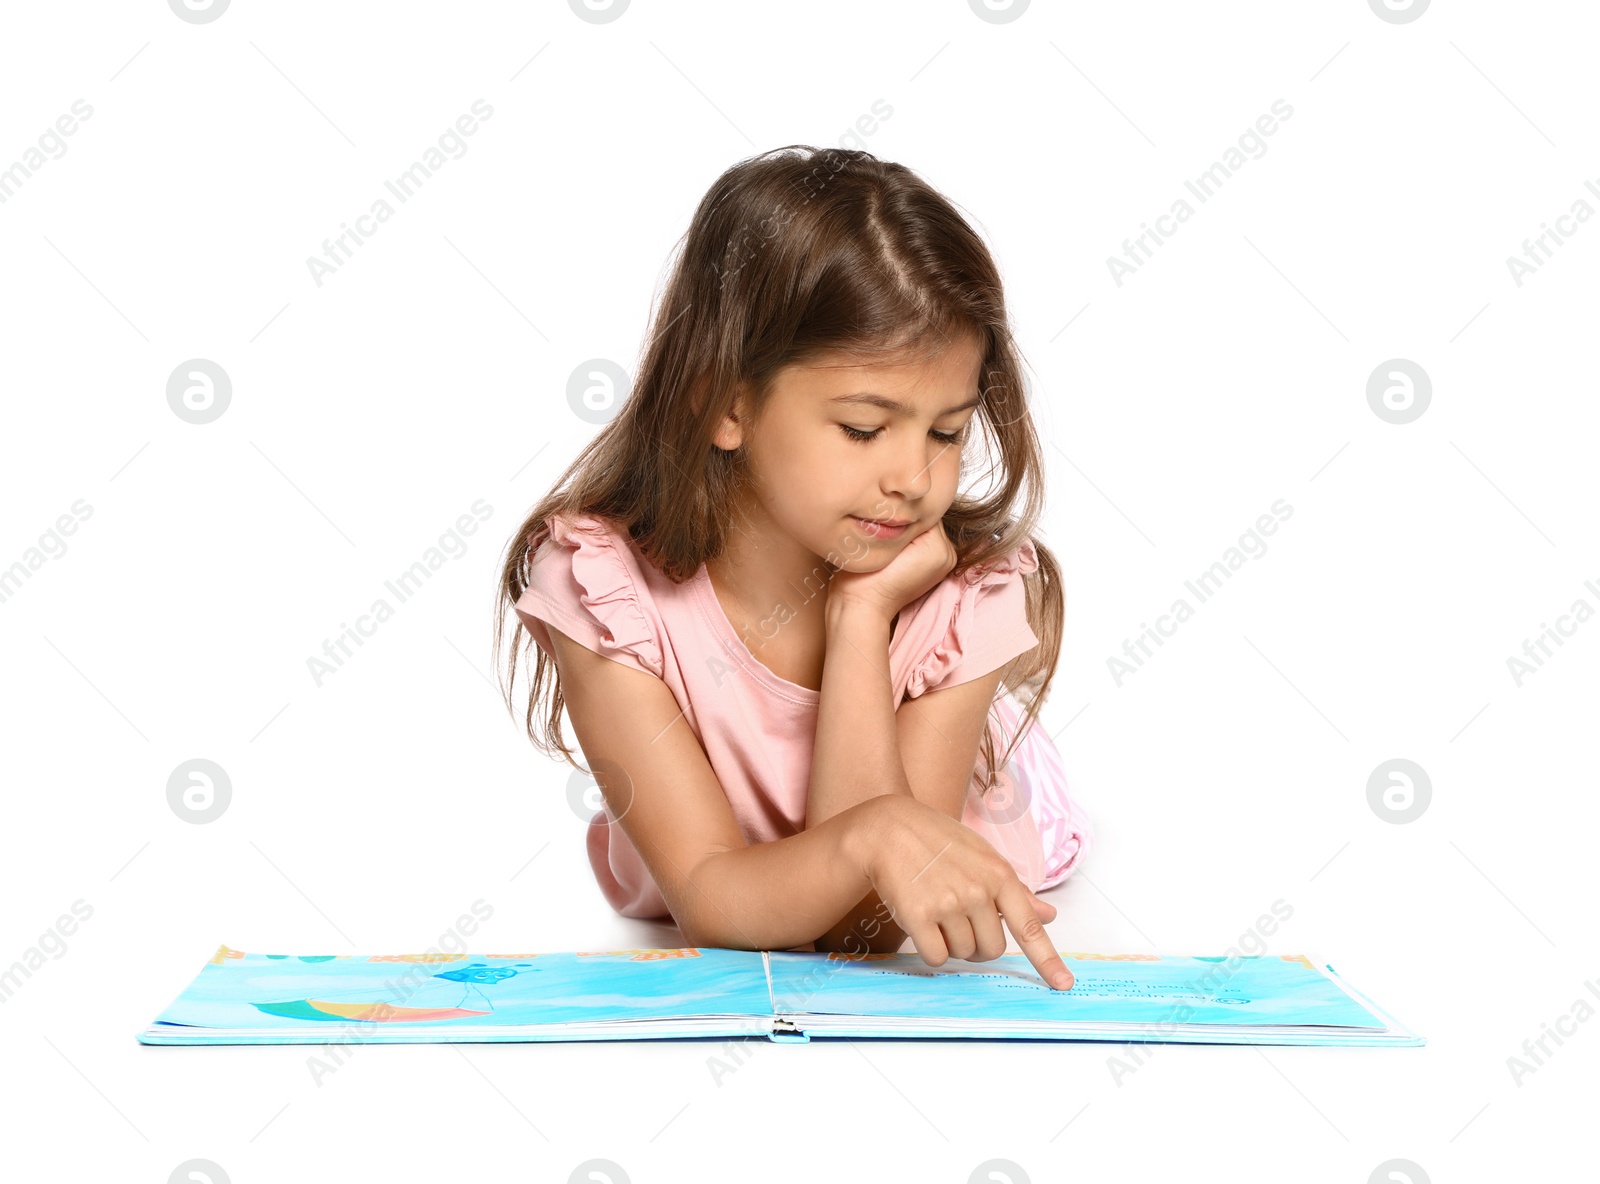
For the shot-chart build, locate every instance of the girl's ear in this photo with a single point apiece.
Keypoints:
(730, 431)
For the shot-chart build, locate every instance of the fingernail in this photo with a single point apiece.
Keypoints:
(1063, 981)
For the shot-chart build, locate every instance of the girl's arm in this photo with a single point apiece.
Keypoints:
(664, 794)
(951, 887)
(854, 755)
(861, 736)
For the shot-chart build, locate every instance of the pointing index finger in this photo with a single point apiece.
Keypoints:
(1031, 936)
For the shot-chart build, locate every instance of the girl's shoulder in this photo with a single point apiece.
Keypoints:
(1012, 566)
(577, 530)
(972, 622)
(587, 579)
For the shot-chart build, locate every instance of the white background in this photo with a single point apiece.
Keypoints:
(430, 371)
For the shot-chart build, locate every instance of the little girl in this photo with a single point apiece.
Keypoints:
(778, 621)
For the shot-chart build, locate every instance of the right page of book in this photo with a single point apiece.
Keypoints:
(1269, 989)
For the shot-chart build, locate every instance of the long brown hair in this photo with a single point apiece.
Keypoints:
(792, 254)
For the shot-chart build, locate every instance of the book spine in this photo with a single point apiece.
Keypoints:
(784, 1032)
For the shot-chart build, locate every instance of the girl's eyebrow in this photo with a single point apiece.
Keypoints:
(899, 408)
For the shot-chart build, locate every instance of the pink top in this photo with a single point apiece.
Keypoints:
(756, 728)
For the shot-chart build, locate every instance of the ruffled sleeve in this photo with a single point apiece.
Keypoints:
(984, 623)
(584, 580)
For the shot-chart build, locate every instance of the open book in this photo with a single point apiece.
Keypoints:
(241, 998)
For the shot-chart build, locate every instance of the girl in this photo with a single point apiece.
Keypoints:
(777, 626)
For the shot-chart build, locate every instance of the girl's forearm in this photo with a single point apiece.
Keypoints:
(856, 753)
(781, 894)
(856, 757)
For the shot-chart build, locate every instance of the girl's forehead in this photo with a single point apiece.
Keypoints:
(919, 351)
(905, 368)
(945, 380)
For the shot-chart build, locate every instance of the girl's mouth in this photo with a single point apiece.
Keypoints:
(879, 530)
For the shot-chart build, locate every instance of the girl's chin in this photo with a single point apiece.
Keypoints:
(863, 564)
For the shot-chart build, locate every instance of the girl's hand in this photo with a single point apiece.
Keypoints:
(949, 890)
(925, 560)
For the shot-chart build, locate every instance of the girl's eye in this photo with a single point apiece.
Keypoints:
(943, 437)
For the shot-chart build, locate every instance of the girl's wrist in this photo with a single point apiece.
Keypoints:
(845, 612)
(863, 837)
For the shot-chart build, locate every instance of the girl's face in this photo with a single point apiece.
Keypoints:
(840, 441)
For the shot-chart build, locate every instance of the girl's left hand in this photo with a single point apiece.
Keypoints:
(925, 560)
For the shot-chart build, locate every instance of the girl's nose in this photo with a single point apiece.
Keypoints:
(913, 477)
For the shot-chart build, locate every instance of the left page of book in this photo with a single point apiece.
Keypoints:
(269, 998)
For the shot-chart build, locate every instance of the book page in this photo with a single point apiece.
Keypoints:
(239, 990)
(1269, 989)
